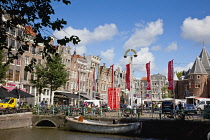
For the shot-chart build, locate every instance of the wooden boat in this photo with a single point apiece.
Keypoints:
(102, 127)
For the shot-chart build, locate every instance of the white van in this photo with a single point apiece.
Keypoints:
(95, 102)
(202, 103)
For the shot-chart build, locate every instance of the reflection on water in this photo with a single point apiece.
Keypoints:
(56, 134)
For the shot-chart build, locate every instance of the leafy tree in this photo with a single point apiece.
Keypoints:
(52, 75)
(41, 80)
(3, 68)
(179, 74)
(56, 73)
(34, 13)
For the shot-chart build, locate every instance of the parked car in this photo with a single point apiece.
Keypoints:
(190, 108)
(202, 103)
(167, 107)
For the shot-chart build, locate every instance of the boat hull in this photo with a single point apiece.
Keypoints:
(96, 127)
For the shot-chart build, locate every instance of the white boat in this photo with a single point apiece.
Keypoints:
(103, 127)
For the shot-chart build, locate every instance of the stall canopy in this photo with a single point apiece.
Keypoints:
(5, 94)
(84, 96)
(18, 92)
(65, 95)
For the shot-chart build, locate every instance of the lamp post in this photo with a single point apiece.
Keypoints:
(131, 73)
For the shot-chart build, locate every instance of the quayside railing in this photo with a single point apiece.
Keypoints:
(146, 113)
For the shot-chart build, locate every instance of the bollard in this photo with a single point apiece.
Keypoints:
(160, 114)
(101, 112)
(83, 109)
(69, 111)
(138, 114)
(53, 111)
(119, 113)
(38, 111)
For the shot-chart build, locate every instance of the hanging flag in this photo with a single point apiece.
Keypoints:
(94, 81)
(170, 75)
(112, 76)
(148, 76)
(127, 77)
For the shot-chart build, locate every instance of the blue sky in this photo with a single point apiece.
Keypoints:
(159, 30)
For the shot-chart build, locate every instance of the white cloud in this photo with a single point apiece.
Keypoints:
(186, 68)
(172, 47)
(156, 48)
(146, 36)
(139, 62)
(108, 55)
(101, 33)
(196, 30)
(81, 50)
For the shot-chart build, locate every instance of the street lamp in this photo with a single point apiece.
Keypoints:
(131, 73)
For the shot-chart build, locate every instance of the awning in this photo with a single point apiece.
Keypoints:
(5, 94)
(65, 95)
(18, 92)
(85, 97)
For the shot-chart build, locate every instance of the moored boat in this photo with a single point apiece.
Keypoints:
(103, 127)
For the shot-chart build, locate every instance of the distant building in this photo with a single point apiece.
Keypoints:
(195, 82)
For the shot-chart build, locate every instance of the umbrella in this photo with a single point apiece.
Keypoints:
(4, 94)
(22, 93)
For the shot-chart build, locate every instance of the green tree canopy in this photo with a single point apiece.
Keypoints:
(52, 75)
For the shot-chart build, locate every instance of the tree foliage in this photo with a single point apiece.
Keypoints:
(3, 68)
(51, 75)
(180, 74)
(34, 13)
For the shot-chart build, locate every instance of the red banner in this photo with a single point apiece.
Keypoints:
(148, 76)
(114, 98)
(127, 77)
(170, 75)
(112, 76)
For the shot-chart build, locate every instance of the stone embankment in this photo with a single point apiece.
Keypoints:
(16, 120)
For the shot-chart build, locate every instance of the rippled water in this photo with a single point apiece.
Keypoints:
(57, 134)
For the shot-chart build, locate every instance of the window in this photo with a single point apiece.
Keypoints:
(40, 51)
(39, 62)
(17, 75)
(198, 76)
(197, 85)
(18, 61)
(191, 77)
(25, 75)
(10, 78)
(33, 50)
(32, 76)
(12, 43)
(20, 33)
(12, 31)
(26, 60)
(18, 44)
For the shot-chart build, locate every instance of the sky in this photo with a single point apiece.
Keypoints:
(158, 30)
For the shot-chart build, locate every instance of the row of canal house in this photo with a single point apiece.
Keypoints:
(87, 78)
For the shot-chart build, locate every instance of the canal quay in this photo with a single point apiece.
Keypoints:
(154, 124)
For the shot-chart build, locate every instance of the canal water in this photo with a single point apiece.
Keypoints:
(57, 134)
